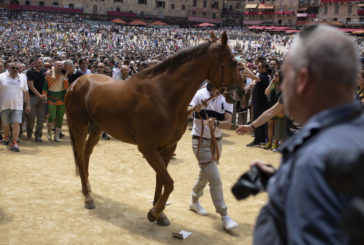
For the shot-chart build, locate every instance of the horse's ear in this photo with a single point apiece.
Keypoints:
(213, 37)
(224, 39)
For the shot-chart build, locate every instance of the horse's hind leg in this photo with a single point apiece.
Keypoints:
(93, 137)
(79, 134)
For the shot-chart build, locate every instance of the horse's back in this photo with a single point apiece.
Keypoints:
(78, 94)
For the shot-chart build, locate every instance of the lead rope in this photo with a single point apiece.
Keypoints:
(214, 148)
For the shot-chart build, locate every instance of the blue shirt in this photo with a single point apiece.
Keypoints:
(302, 207)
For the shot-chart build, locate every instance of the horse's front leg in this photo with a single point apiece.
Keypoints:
(155, 159)
(167, 154)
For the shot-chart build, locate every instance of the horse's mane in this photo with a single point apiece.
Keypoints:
(174, 61)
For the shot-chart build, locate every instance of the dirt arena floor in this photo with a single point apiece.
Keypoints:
(41, 201)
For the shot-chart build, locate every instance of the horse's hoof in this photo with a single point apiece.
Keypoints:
(150, 216)
(163, 220)
(90, 204)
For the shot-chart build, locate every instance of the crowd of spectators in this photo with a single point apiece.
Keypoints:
(121, 51)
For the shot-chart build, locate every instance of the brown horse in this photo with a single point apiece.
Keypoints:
(149, 110)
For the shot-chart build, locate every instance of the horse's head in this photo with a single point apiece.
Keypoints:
(224, 74)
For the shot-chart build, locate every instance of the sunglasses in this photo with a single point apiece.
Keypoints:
(15, 68)
(100, 66)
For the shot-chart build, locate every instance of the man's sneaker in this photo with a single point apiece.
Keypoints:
(196, 207)
(274, 146)
(228, 223)
(268, 146)
(278, 149)
(252, 144)
(38, 139)
(105, 136)
(14, 147)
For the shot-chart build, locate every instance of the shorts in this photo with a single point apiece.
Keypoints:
(11, 116)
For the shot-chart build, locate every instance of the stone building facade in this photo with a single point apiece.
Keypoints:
(295, 13)
(192, 10)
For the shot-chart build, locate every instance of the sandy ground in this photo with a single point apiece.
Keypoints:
(41, 201)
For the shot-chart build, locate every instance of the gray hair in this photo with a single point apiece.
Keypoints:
(330, 55)
(68, 62)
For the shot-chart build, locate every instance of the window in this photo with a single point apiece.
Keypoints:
(27, 3)
(119, 1)
(205, 4)
(194, 3)
(41, 3)
(336, 9)
(183, 7)
(204, 14)
(117, 9)
(193, 12)
(160, 4)
(215, 5)
(71, 6)
(325, 10)
(172, 6)
(350, 9)
(214, 15)
(348, 20)
(55, 4)
(142, 1)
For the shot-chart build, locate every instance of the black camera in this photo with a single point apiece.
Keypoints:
(250, 183)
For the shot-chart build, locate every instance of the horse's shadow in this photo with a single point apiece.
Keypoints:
(4, 218)
(135, 220)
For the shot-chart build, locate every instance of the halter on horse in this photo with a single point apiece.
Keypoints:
(149, 110)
